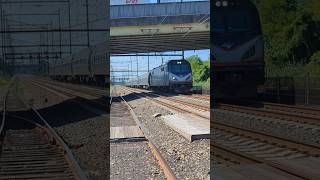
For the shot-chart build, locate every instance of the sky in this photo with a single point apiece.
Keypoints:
(124, 63)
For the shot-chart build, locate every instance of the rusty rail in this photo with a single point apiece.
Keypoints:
(313, 120)
(155, 151)
(40, 152)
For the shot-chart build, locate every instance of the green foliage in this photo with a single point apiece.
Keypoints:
(292, 34)
(315, 58)
(200, 71)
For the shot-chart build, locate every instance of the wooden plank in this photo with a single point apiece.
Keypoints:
(125, 132)
(189, 126)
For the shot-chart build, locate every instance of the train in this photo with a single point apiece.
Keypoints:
(175, 75)
(88, 66)
(237, 49)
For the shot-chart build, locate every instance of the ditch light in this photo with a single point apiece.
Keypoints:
(222, 3)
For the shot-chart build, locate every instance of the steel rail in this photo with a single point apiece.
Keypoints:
(271, 139)
(302, 109)
(196, 106)
(58, 89)
(56, 139)
(155, 151)
(303, 147)
(3, 113)
(167, 105)
(249, 133)
(243, 157)
(312, 120)
(5, 108)
(69, 155)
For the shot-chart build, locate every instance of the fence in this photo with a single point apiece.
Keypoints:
(294, 90)
(200, 90)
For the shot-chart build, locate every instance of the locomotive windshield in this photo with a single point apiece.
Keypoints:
(179, 67)
(235, 20)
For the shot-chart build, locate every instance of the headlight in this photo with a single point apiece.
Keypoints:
(174, 78)
(251, 52)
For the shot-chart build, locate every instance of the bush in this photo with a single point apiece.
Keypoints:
(291, 31)
(200, 71)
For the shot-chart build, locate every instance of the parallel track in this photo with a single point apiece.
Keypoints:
(284, 114)
(98, 93)
(192, 105)
(33, 149)
(231, 144)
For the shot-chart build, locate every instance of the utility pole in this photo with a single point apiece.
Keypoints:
(182, 54)
(2, 42)
(137, 66)
(69, 19)
(88, 33)
(60, 34)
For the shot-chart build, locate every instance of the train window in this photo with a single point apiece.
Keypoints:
(234, 20)
(180, 68)
(162, 69)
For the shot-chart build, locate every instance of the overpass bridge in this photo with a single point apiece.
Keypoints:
(159, 27)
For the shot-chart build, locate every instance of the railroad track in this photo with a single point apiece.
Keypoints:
(275, 111)
(96, 91)
(30, 148)
(292, 108)
(70, 91)
(153, 95)
(153, 148)
(235, 145)
(197, 96)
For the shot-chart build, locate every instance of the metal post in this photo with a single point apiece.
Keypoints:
(39, 71)
(87, 14)
(131, 67)
(307, 79)
(2, 40)
(148, 63)
(69, 19)
(137, 67)
(278, 88)
(60, 34)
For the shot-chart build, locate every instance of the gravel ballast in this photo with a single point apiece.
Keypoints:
(189, 160)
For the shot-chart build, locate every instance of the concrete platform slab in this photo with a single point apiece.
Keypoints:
(126, 133)
(189, 126)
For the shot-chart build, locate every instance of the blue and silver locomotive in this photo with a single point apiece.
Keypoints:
(237, 49)
(173, 75)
